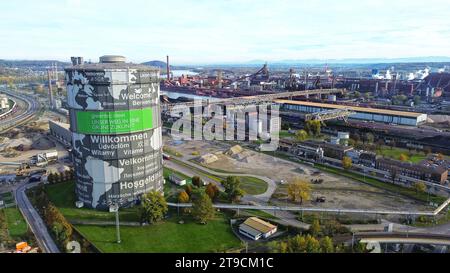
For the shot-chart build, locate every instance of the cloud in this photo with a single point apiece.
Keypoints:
(224, 30)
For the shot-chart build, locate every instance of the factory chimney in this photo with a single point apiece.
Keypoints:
(74, 60)
(219, 79)
(50, 91)
(168, 68)
(77, 60)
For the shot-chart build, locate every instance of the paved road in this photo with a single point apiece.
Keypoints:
(406, 238)
(13, 120)
(298, 208)
(190, 172)
(34, 220)
(265, 197)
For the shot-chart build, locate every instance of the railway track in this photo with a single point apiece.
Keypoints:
(15, 119)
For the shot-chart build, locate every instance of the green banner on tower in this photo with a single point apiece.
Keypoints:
(114, 122)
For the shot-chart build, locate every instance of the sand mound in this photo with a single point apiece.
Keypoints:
(208, 159)
(234, 150)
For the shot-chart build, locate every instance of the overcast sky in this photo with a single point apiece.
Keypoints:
(212, 31)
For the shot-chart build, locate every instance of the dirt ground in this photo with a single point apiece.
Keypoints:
(340, 192)
(33, 137)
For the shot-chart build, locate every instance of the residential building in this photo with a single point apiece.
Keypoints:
(435, 174)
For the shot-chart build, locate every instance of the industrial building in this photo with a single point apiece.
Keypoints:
(61, 131)
(361, 113)
(256, 228)
(430, 173)
(115, 122)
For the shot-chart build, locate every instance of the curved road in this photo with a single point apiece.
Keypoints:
(265, 197)
(407, 238)
(34, 220)
(12, 120)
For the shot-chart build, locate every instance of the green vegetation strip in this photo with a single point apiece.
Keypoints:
(421, 196)
(250, 185)
(16, 224)
(165, 237)
(396, 152)
(63, 196)
(259, 213)
(253, 186)
(213, 177)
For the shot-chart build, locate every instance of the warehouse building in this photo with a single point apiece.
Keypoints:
(361, 113)
(256, 228)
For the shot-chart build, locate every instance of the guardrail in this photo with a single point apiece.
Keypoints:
(331, 210)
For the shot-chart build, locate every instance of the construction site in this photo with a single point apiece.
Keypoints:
(339, 192)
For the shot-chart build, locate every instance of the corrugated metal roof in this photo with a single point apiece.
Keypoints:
(259, 224)
(354, 108)
(249, 230)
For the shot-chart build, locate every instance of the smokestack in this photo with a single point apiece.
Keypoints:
(50, 91)
(74, 60)
(168, 68)
(77, 60)
(219, 78)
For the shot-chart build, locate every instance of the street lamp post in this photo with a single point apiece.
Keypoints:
(114, 207)
(353, 239)
(118, 225)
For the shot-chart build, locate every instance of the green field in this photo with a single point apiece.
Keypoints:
(63, 196)
(258, 213)
(286, 134)
(250, 185)
(16, 224)
(395, 153)
(7, 198)
(253, 186)
(165, 237)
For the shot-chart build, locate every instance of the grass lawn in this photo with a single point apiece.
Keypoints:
(165, 237)
(395, 153)
(250, 185)
(167, 172)
(7, 197)
(16, 224)
(286, 134)
(258, 213)
(383, 185)
(63, 196)
(253, 186)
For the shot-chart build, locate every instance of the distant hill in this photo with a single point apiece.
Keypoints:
(162, 65)
(434, 59)
(36, 65)
(155, 63)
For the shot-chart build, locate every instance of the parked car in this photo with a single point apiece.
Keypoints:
(321, 199)
(35, 178)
